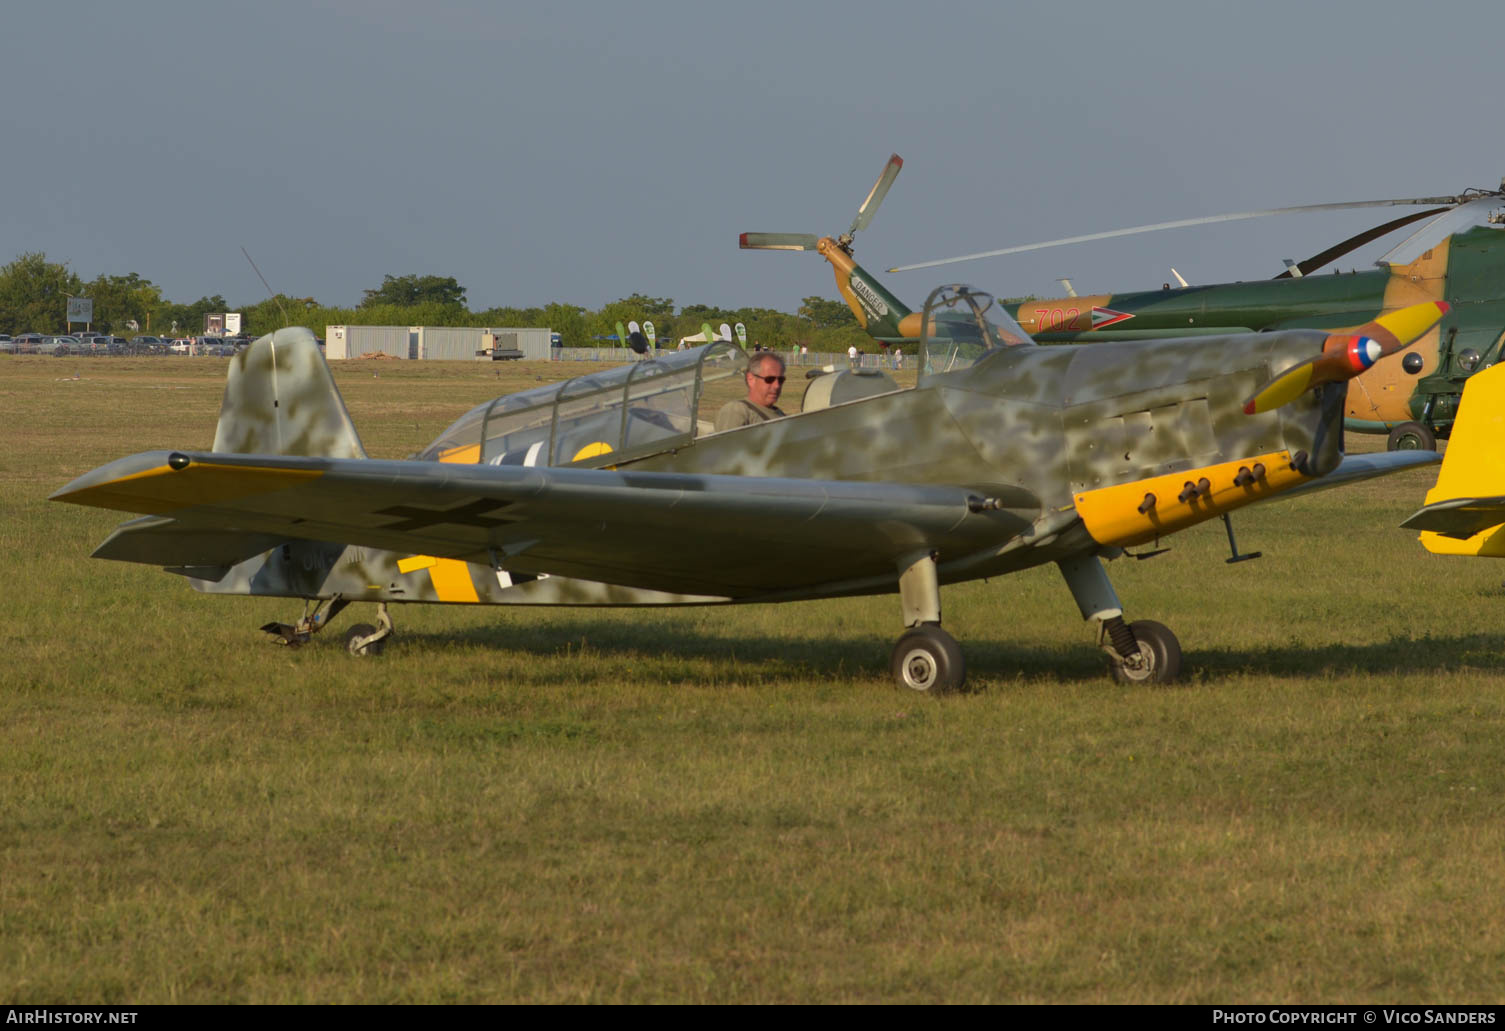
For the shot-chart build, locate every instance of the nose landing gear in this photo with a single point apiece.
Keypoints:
(1142, 652)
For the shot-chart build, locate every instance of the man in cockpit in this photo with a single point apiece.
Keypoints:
(765, 381)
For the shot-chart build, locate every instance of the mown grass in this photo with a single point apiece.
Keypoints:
(734, 804)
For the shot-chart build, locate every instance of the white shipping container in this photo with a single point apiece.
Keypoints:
(355, 341)
(452, 343)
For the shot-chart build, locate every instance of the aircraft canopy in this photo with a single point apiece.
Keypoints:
(601, 418)
(960, 327)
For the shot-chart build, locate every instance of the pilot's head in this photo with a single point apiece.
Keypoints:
(765, 378)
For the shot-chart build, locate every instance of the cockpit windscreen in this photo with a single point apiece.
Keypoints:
(961, 326)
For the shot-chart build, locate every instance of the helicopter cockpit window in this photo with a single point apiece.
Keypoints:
(635, 409)
(960, 327)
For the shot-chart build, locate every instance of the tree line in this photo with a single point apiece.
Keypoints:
(34, 293)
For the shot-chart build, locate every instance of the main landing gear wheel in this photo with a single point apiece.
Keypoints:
(928, 660)
(1159, 657)
(358, 640)
(1411, 436)
(365, 639)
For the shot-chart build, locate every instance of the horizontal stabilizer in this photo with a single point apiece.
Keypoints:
(160, 541)
(1460, 517)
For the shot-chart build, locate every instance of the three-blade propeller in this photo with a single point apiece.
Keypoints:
(1345, 355)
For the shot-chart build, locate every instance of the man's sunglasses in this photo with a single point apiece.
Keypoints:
(768, 379)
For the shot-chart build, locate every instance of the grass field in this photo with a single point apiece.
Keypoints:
(734, 805)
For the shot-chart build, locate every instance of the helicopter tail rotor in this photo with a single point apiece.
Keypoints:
(807, 241)
(876, 310)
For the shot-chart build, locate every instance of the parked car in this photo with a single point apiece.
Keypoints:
(27, 343)
(60, 345)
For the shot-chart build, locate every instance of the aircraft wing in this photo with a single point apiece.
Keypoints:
(1458, 517)
(1354, 468)
(706, 534)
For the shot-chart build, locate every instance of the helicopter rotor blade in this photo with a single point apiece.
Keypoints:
(777, 241)
(1471, 212)
(1353, 243)
(1182, 223)
(1345, 355)
(875, 196)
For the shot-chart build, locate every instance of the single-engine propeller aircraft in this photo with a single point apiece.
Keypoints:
(1459, 258)
(1004, 456)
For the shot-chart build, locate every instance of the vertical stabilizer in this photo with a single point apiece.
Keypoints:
(1465, 511)
(280, 399)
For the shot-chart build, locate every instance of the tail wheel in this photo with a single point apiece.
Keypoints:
(928, 660)
(1159, 657)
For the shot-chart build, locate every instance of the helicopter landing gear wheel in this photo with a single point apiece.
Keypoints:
(1411, 436)
(928, 660)
(1158, 659)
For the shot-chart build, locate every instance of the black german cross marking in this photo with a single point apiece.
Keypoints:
(414, 518)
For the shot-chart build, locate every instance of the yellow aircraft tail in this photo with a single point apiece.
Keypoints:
(1465, 512)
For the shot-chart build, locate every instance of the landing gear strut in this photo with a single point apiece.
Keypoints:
(299, 633)
(1143, 652)
(361, 639)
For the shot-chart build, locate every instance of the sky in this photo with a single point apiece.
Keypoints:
(584, 151)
